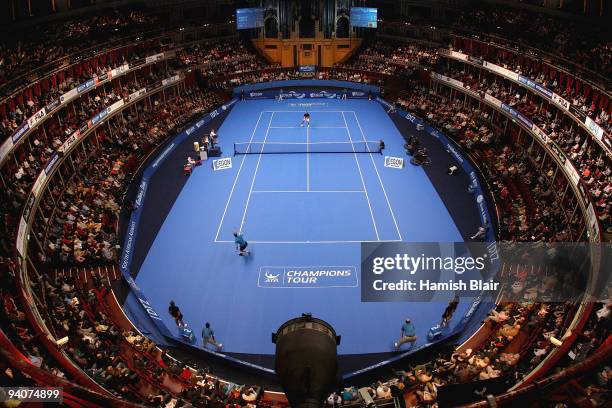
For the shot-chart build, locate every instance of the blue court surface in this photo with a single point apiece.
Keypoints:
(299, 212)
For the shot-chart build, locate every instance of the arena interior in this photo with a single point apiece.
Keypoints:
(307, 203)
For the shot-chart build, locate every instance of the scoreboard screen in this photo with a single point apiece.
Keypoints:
(364, 17)
(249, 18)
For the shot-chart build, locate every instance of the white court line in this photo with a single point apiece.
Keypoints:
(308, 191)
(298, 111)
(307, 157)
(300, 127)
(301, 143)
(361, 175)
(236, 179)
(255, 175)
(379, 179)
(310, 242)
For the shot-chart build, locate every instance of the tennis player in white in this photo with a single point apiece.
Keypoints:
(306, 120)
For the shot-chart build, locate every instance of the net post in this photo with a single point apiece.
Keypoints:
(234, 149)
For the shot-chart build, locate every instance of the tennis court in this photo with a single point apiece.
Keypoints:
(313, 180)
(305, 198)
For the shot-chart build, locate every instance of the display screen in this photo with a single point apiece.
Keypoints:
(364, 17)
(307, 69)
(249, 18)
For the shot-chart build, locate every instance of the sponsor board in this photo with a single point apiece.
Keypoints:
(86, 85)
(394, 162)
(496, 102)
(572, 173)
(51, 163)
(170, 80)
(502, 71)
(307, 69)
(38, 184)
(84, 127)
(70, 141)
(152, 58)
(294, 277)
(594, 128)
(23, 225)
(222, 164)
(115, 106)
(5, 148)
(459, 55)
(560, 101)
(324, 94)
(292, 95)
(137, 94)
(36, 118)
(446, 79)
(52, 105)
(68, 96)
(119, 70)
(21, 130)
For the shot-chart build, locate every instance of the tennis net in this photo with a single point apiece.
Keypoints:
(307, 147)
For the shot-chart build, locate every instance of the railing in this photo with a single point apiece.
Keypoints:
(585, 122)
(553, 150)
(25, 225)
(594, 78)
(24, 80)
(28, 126)
(72, 394)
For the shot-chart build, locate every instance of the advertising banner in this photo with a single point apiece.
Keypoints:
(36, 118)
(559, 101)
(21, 130)
(68, 96)
(496, 102)
(5, 149)
(502, 71)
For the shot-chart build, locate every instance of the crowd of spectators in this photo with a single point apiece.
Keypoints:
(510, 170)
(81, 226)
(213, 59)
(518, 337)
(123, 361)
(586, 155)
(582, 42)
(591, 102)
(281, 74)
(14, 324)
(54, 42)
(20, 108)
(84, 224)
(30, 158)
(393, 58)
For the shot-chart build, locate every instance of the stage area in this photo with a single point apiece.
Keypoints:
(302, 213)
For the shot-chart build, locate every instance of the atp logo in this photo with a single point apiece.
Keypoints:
(270, 277)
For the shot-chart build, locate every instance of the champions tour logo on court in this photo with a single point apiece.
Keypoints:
(307, 277)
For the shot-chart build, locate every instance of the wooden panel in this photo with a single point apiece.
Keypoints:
(283, 53)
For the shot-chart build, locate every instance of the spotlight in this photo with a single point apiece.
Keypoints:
(306, 360)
